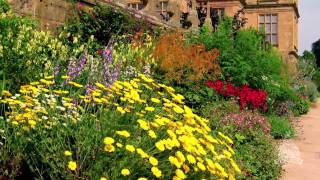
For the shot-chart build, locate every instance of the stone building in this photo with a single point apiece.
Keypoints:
(278, 18)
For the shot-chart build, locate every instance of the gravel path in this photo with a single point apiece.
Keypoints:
(302, 154)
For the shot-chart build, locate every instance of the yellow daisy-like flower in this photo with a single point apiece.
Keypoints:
(156, 172)
(108, 140)
(109, 148)
(65, 77)
(150, 109)
(160, 146)
(191, 159)
(32, 122)
(121, 110)
(123, 133)
(125, 172)
(130, 148)
(178, 110)
(153, 161)
(72, 165)
(174, 161)
(67, 153)
(155, 100)
(152, 134)
(201, 166)
(119, 145)
(143, 124)
(142, 178)
(180, 174)
(103, 178)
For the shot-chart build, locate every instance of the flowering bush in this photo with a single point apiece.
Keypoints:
(256, 98)
(183, 63)
(135, 129)
(25, 52)
(247, 120)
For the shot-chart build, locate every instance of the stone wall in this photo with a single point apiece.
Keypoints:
(50, 13)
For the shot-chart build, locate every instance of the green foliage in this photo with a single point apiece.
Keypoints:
(258, 155)
(316, 51)
(281, 127)
(4, 6)
(316, 79)
(102, 22)
(300, 106)
(244, 57)
(25, 52)
(257, 152)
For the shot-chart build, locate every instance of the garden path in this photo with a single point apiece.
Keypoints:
(302, 154)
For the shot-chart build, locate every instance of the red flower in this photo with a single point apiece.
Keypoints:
(255, 98)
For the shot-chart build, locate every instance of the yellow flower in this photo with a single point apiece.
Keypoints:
(191, 159)
(150, 109)
(123, 133)
(65, 77)
(178, 110)
(32, 122)
(130, 148)
(186, 168)
(119, 145)
(109, 148)
(143, 124)
(121, 110)
(156, 172)
(201, 166)
(155, 100)
(103, 178)
(142, 153)
(49, 77)
(142, 178)
(6, 93)
(72, 165)
(153, 161)
(160, 145)
(108, 140)
(180, 157)
(174, 161)
(180, 174)
(67, 153)
(75, 84)
(152, 134)
(125, 172)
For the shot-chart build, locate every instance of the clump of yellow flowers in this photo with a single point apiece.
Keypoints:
(151, 133)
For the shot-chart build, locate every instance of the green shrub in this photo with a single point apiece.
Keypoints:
(103, 22)
(244, 58)
(25, 52)
(4, 6)
(258, 155)
(281, 127)
(300, 106)
(316, 79)
(310, 90)
(257, 151)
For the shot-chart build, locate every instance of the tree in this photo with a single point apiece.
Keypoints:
(316, 51)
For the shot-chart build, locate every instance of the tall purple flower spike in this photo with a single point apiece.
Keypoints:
(110, 75)
(74, 70)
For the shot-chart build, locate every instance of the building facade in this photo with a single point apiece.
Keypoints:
(277, 18)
